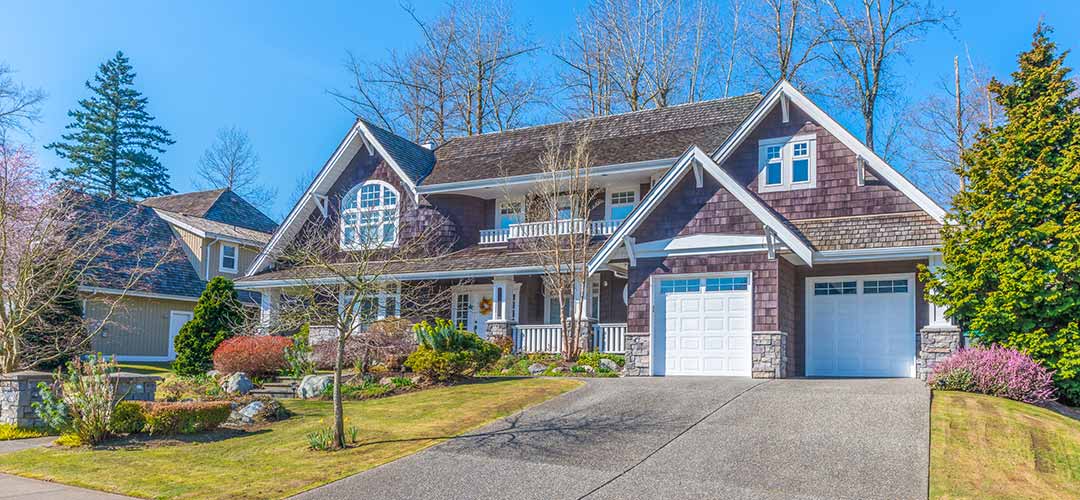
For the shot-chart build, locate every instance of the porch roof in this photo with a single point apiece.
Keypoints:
(470, 262)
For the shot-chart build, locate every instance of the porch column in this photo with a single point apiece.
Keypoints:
(939, 339)
(502, 308)
(270, 298)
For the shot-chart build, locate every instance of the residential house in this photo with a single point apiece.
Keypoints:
(746, 236)
(195, 236)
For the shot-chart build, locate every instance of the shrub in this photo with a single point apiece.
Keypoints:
(164, 419)
(217, 313)
(9, 432)
(255, 356)
(389, 341)
(593, 358)
(448, 365)
(504, 342)
(298, 357)
(179, 387)
(86, 401)
(127, 418)
(996, 371)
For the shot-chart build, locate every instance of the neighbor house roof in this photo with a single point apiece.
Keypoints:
(616, 139)
(219, 205)
(213, 229)
(140, 239)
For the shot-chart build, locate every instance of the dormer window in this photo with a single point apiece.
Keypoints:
(369, 216)
(787, 163)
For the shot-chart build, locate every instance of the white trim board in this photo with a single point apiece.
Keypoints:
(135, 293)
(695, 157)
(500, 182)
(784, 90)
(165, 215)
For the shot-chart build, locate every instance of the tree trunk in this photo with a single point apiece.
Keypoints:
(339, 417)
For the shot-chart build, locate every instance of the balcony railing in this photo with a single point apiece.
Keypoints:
(549, 228)
(606, 337)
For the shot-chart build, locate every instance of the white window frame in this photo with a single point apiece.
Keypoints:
(499, 204)
(547, 307)
(594, 299)
(787, 171)
(608, 205)
(380, 210)
(222, 268)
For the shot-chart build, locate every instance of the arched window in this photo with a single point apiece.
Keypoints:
(369, 216)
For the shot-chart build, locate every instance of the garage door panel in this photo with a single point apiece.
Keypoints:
(706, 330)
(852, 332)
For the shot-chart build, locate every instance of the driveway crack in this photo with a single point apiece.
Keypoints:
(672, 440)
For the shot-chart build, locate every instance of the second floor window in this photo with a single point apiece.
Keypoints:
(510, 213)
(228, 259)
(621, 203)
(369, 216)
(787, 163)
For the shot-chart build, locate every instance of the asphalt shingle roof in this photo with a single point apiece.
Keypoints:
(221, 229)
(416, 161)
(624, 138)
(220, 205)
(907, 229)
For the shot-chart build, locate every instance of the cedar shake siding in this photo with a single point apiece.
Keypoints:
(688, 210)
(764, 281)
(837, 193)
(798, 338)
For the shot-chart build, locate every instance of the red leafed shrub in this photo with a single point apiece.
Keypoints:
(255, 356)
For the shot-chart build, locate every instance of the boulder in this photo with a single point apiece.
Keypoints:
(587, 369)
(558, 369)
(313, 386)
(537, 369)
(609, 365)
(416, 379)
(386, 381)
(214, 374)
(237, 383)
(257, 412)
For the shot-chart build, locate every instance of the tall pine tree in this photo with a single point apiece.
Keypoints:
(113, 143)
(1012, 251)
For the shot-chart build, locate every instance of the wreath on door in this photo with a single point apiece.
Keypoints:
(485, 306)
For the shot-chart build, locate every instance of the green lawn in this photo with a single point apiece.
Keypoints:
(987, 447)
(276, 463)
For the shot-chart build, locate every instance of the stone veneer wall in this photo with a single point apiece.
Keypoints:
(936, 342)
(769, 355)
(19, 391)
(637, 355)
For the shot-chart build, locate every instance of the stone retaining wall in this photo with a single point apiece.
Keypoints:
(19, 391)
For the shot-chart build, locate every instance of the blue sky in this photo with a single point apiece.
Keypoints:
(266, 66)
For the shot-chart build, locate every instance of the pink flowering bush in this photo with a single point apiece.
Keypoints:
(996, 371)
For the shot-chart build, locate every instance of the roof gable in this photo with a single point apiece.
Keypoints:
(695, 159)
(219, 205)
(195, 204)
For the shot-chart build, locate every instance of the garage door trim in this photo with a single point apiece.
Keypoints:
(809, 310)
(654, 290)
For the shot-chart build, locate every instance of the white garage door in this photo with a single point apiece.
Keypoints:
(860, 326)
(702, 326)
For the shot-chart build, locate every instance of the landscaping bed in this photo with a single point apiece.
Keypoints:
(989, 447)
(590, 364)
(273, 461)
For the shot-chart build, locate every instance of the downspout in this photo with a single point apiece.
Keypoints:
(206, 277)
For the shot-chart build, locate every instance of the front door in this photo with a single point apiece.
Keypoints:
(176, 321)
(472, 310)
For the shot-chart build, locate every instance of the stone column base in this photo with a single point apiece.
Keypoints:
(769, 357)
(636, 353)
(585, 329)
(936, 342)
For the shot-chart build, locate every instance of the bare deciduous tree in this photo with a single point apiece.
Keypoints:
(786, 40)
(943, 125)
(51, 243)
(562, 201)
(867, 39)
(466, 77)
(231, 162)
(19, 106)
(351, 289)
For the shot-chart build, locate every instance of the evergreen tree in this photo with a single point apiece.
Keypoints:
(217, 313)
(113, 143)
(49, 335)
(1012, 249)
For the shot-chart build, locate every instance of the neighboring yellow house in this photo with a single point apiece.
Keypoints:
(218, 234)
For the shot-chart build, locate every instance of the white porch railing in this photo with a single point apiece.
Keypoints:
(549, 228)
(608, 337)
(537, 338)
(489, 236)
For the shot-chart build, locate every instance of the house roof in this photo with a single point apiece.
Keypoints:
(414, 161)
(219, 205)
(213, 229)
(623, 138)
(908, 229)
(472, 261)
(139, 243)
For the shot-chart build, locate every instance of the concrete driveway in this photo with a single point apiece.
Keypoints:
(681, 438)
